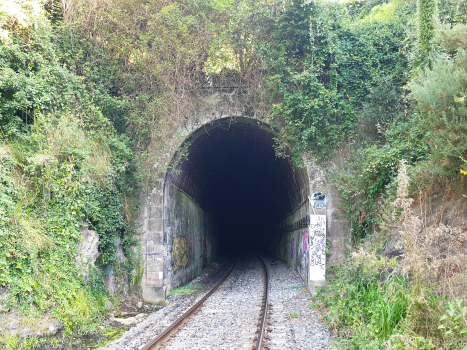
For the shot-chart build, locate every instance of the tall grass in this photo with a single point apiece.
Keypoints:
(361, 308)
(416, 302)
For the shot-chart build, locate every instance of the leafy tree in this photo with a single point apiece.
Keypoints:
(427, 14)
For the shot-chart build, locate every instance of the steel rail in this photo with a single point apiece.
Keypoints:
(170, 331)
(157, 342)
(259, 342)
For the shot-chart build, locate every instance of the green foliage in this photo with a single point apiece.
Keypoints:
(39, 237)
(142, 59)
(374, 167)
(372, 309)
(429, 133)
(454, 323)
(63, 166)
(427, 17)
(188, 289)
(440, 93)
(7, 191)
(321, 77)
(99, 339)
(18, 343)
(452, 12)
(294, 314)
(88, 94)
(369, 304)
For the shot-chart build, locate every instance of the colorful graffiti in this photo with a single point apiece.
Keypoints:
(318, 200)
(180, 252)
(192, 242)
(322, 246)
(304, 245)
(292, 247)
(302, 266)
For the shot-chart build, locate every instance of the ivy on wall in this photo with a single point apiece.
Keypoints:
(64, 164)
(323, 67)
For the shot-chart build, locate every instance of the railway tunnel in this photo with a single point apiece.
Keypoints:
(227, 191)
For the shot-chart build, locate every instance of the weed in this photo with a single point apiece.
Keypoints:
(454, 323)
(375, 303)
(18, 343)
(294, 314)
(187, 289)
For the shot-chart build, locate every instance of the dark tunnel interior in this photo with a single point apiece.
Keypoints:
(231, 170)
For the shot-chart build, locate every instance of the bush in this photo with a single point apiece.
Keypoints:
(362, 308)
(320, 78)
(440, 93)
(414, 303)
(62, 166)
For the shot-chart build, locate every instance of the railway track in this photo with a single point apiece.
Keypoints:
(163, 339)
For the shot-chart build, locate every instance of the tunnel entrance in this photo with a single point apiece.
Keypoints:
(227, 191)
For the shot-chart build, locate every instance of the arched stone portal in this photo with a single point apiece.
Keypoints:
(228, 192)
(225, 189)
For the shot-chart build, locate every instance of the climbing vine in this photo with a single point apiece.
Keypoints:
(325, 66)
(89, 93)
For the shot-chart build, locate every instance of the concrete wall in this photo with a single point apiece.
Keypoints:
(301, 242)
(290, 244)
(307, 246)
(337, 231)
(191, 239)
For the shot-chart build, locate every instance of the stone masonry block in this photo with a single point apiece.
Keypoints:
(154, 278)
(153, 294)
(155, 199)
(154, 238)
(155, 225)
(154, 263)
(154, 249)
(154, 212)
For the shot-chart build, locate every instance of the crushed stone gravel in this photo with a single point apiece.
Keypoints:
(229, 318)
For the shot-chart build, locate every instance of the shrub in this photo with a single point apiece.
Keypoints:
(62, 166)
(414, 303)
(440, 93)
(326, 66)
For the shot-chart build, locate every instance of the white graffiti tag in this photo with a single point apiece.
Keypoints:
(317, 249)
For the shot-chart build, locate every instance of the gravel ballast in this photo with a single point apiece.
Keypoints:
(293, 324)
(229, 318)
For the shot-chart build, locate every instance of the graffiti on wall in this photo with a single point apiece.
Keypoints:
(304, 245)
(302, 267)
(318, 200)
(192, 242)
(180, 252)
(292, 247)
(317, 247)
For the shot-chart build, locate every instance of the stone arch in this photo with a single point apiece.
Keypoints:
(166, 222)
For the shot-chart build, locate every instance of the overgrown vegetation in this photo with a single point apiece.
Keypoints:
(374, 302)
(89, 91)
(187, 289)
(331, 61)
(427, 11)
(416, 301)
(63, 166)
